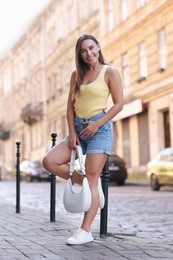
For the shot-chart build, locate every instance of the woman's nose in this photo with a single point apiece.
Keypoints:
(88, 52)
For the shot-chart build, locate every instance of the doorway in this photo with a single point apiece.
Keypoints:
(166, 121)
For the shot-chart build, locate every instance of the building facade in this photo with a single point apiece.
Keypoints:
(136, 37)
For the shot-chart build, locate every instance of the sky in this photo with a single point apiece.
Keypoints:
(15, 17)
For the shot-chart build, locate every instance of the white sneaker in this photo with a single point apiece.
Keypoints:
(101, 195)
(80, 237)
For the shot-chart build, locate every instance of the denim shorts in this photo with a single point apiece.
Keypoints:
(100, 142)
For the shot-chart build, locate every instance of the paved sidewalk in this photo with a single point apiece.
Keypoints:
(140, 226)
(30, 235)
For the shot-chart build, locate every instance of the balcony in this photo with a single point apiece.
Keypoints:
(31, 114)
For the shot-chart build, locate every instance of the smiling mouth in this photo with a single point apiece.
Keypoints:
(91, 58)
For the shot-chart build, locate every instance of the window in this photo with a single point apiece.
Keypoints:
(110, 15)
(60, 29)
(125, 71)
(142, 62)
(162, 50)
(7, 80)
(140, 3)
(33, 56)
(86, 5)
(72, 17)
(124, 9)
(63, 126)
(52, 84)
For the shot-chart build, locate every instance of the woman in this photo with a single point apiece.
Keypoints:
(89, 125)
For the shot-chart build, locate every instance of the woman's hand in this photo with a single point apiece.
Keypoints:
(73, 141)
(90, 130)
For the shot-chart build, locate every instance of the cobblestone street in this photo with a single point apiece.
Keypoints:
(140, 224)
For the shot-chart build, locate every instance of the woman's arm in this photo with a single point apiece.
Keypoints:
(70, 113)
(113, 80)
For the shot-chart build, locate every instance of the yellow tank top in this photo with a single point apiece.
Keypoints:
(93, 97)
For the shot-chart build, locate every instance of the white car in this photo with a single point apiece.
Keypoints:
(33, 171)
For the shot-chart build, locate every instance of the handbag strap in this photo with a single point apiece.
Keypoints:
(80, 158)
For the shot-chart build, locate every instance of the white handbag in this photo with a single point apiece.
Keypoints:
(76, 202)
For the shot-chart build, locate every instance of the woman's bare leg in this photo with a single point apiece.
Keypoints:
(94, 166)
(56, 162)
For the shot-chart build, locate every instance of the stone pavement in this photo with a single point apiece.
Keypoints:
(30, 234)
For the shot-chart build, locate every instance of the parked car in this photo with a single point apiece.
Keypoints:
(117, 169)
(160, 170)
(33, 171)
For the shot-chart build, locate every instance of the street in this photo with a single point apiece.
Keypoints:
(135, 214)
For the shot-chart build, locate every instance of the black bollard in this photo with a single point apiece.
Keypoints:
(53, 187)
(18, 178)
(104, 211)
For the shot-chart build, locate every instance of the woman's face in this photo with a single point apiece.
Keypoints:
(89, 51)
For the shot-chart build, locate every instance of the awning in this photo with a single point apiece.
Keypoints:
(130, 109)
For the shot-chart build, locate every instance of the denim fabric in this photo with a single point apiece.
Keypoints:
(100, 142)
